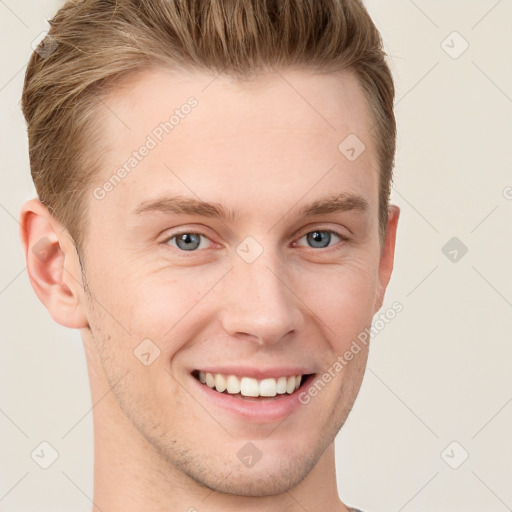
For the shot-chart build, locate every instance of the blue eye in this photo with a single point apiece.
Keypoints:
(187, 241)
(190, 242)
(321, 238)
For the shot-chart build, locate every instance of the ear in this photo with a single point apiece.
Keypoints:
(387, 255)
(53, 265)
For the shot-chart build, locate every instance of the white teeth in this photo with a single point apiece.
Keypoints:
(268, 387)
(233, 385)
(281, 385)
(249, 386)
(210, 380)
(290, 386)
(220, 382)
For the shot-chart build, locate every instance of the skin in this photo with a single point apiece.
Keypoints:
(262, 150)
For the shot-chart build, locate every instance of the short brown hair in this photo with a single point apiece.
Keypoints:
(91, 43)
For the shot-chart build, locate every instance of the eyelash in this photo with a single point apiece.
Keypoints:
(342, 237)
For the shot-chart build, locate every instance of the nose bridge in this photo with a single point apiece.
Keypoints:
(260, 303)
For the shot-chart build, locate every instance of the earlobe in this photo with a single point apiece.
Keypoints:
(387, 255)
(52, 265)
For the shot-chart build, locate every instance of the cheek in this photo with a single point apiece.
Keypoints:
(153, 305)
(161, 304)
(343, 309)
(343, 295)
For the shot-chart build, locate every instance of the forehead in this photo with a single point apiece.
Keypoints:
(280, 138)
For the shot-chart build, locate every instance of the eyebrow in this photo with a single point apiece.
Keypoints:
(190, 206)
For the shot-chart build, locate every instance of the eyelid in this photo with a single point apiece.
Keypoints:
(334, 231)
(169, 233)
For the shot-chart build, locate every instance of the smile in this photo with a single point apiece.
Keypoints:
(250, 394)
(249, 386)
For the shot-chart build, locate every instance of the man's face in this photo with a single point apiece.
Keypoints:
(265, 292)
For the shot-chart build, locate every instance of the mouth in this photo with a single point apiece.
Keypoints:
(252, 389)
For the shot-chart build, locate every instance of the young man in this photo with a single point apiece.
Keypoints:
(213, 181)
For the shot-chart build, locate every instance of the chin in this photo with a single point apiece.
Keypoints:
(261, 483)
(269, 478)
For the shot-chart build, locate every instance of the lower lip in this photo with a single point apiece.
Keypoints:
(254, 410)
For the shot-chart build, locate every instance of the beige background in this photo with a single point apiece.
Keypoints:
(438, 373)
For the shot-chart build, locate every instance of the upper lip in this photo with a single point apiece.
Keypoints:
(258, 373)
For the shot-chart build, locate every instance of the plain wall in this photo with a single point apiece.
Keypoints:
(438, 373)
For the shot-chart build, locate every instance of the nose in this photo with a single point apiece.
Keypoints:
(259, 302)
